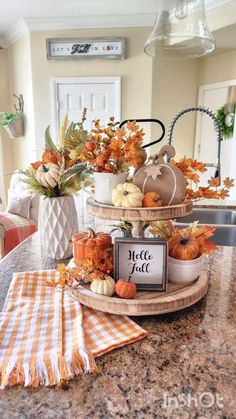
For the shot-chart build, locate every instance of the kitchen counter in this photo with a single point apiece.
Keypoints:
(190, 355)
(216, 203)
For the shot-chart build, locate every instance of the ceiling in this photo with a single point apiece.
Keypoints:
(17, 16)
(13, 10)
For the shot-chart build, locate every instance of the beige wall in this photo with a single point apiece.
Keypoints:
(20, 81)
(135, 71)
(218, 68)
(6, 144)
(149, 88)
(175, 87)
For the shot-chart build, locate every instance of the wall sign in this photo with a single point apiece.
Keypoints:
(89, 48)
(144, 260)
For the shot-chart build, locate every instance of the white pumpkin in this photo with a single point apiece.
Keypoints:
(127, 195)
(48, 175)
(104, 286)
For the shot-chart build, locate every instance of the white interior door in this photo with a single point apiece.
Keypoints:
(212, 96)
(100, 95)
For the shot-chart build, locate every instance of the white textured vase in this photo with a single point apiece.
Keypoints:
(184, 271)
(57, 224)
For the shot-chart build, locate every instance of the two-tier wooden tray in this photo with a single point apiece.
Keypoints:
(138, 215)
(177, 297)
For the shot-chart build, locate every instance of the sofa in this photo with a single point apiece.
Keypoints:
(20, 220)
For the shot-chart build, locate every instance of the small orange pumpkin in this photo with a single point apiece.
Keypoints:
(151, 200)
(183, 247)
(85, 243)
(125, 289)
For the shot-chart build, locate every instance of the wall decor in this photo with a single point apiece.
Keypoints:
(85, 48)
(14, 122)
(226, 120)
(144, 261)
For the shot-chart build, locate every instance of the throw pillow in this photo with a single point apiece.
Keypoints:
(19, 203)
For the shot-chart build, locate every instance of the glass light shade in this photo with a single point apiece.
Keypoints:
(180, 31)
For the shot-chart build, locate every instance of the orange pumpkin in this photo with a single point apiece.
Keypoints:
(85, 243)
(151, 200)
(125, 289)
(183, 247)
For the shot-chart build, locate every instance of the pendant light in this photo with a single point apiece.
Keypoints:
(181, 31)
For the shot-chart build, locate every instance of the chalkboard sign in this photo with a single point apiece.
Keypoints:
(144, 261)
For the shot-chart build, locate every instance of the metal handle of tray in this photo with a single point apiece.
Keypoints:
(156, 121)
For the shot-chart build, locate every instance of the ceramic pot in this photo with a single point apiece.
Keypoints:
(57, 224)
(104, 185)
(184, 271)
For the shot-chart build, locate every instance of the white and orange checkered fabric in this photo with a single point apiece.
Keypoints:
(46, 336)
(16, 229)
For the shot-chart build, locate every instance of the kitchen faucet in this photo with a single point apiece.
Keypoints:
(217, 126)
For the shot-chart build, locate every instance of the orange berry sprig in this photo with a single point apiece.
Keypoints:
(111, 149)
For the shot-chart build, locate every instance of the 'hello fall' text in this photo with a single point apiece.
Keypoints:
(139, 261)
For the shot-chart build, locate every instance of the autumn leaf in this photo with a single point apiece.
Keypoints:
(198, 166)
(132, 126)
(194, 177)
(203, 232)
(115, 147)
(116, 144)
(208, 247)
(120, 133)
(223, 193)
(214, 182)
(228, 183)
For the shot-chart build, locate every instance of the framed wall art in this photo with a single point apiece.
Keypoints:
(85, 48)
(144, 261)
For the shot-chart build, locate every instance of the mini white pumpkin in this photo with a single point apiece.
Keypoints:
(105, 286)
(127, 195)
(48, 175)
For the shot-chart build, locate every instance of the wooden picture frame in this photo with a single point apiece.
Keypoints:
(112, 48)
(144, 260)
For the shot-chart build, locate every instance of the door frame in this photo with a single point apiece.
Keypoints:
(56, 81)
(201, 90)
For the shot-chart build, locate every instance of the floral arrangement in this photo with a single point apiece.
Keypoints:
(109, 149)
(185, 243)
(98, 264)
(192, 170)
(56, 174)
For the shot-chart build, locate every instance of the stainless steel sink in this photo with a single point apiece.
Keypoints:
(223, 220)
(211, 216)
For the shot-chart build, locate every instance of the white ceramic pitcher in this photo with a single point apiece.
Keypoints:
(104, 185)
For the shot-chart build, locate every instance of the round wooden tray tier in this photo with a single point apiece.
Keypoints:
(138, 214)
(177, 297)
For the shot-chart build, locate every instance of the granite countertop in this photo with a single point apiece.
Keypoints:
(188, 355)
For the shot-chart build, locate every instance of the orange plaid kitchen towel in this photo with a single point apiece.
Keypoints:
(46, 336)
